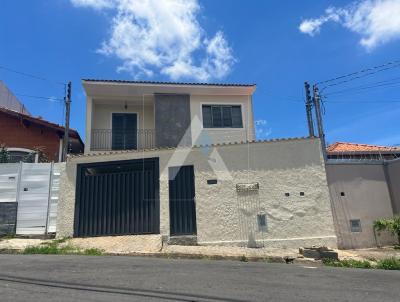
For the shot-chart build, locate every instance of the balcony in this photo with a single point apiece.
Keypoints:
(108, 139)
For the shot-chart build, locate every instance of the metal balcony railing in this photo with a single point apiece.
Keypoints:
(108, 139)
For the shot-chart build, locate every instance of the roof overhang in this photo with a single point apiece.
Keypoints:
(108, 88)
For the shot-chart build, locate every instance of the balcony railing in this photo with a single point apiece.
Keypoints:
(108, 139)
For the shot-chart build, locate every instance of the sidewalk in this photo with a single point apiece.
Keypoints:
(152, 245)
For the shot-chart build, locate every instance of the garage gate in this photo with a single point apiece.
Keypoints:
(117, 198)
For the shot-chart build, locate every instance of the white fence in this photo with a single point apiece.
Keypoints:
(35, 188)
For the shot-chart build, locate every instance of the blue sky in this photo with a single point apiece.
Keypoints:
(217, 41)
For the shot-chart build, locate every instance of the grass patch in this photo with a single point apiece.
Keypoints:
(347, 263)
(92, 252)
(54, 247)
(389, 264)
(386, 264)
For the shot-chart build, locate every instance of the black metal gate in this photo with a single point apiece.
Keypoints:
(182, 208)
(117, 198)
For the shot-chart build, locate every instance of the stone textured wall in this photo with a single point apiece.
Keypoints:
(227, 217)
(8, 217)
(172, 119)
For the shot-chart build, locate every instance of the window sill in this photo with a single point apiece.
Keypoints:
(223, 128)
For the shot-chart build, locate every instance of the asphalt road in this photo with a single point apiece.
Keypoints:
(112, 278)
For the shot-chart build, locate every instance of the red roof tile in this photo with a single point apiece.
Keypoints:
(352, 147)
(40, 121)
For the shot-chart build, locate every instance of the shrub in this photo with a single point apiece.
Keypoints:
(243, 258)
(389, 224)
(389, 264)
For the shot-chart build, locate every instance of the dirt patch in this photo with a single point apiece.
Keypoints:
(120, 244)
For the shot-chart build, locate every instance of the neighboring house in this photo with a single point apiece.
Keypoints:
(340, 150)
(24, 134)
(126, 115)
(9, 100)
(180, 160)
(364, 183)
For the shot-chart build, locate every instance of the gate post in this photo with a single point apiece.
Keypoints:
(49, 197)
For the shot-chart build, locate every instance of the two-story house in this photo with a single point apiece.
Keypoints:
(181, 160)
(126, 115)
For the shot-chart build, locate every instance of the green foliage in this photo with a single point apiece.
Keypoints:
(389, 264)
(389, 224)
(243, 258)
(93, 252)
(347, 263)
(4, 154)
(54, 247)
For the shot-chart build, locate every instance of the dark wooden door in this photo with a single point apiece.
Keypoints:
(182, 207)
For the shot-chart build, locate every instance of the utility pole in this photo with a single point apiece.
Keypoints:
(317, 105)
(66, 129)
(309, 110)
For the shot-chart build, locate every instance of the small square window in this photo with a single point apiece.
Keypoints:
(301, 193)
(287, 194)
(262, 221)
(355, 225)
(342, 194)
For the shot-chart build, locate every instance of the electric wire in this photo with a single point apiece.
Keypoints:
(31, 75)
(359, 72)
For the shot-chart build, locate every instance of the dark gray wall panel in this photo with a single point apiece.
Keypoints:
(172, 119)
(8, 218)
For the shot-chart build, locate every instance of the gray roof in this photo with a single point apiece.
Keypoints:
(170, 83)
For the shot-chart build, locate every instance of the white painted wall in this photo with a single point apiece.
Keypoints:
(102, 115)
(280, 167)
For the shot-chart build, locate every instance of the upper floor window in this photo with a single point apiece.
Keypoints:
(222, 116)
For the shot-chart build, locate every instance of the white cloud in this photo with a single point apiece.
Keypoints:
(96, 4)
(263, 131)
(376, 21)
(165, 37)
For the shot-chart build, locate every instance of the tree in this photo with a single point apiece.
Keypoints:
(389, 224)
(4, 154)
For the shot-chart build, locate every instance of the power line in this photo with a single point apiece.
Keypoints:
(358, 77)
(31, 75)
(355, 101)
(359, 72)
(363, 87)
(51, 99)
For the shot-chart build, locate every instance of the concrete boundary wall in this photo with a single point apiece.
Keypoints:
(34, 187)
(293, 192)
(362, 190)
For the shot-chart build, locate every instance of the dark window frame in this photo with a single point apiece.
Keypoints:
(355, 228)
(224, 121)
